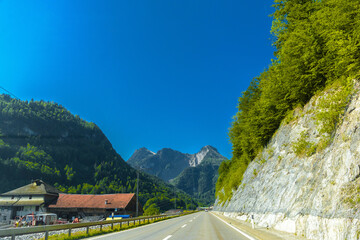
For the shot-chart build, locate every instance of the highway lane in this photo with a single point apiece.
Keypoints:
(202, 225)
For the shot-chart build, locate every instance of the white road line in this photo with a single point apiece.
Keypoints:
(167, 237)
(191, 220)
(183, 226)
(251, 238)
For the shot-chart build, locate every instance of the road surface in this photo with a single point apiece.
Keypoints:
(202, 225)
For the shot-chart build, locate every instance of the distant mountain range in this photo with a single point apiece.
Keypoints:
(196, 173)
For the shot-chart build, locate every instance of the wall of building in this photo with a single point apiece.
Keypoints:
(5, 214)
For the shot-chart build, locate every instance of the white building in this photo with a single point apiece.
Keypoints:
(32, 198)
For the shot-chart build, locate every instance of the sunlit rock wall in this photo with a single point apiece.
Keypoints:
(315, 195)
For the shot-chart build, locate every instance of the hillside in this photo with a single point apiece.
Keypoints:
(196, 174)
(44, 140)
(295, 158)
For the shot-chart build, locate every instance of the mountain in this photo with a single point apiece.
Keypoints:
(196, 174)
(43, 140)
(165, 164)
(168, 163)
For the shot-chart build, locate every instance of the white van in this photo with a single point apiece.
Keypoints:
(45, 218)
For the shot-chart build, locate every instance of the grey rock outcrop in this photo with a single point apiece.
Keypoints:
(314, 194)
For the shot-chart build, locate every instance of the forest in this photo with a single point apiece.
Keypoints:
(317, 45)
(43, 140)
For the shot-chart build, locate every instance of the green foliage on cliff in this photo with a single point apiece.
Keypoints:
(43, 140)
(317, 43)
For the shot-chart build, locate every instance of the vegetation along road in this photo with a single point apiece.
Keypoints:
(197, 226)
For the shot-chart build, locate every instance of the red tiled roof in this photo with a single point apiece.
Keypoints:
(119, 200)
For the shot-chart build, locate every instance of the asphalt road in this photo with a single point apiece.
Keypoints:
(196, 226)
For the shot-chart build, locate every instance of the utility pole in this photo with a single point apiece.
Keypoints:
(137, 194)
(175, 197)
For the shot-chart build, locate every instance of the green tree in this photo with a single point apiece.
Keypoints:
(153, 209)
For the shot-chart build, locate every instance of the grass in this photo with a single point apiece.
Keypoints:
(303, 146)
(331, 109)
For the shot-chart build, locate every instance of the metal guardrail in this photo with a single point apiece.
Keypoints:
(13, 232)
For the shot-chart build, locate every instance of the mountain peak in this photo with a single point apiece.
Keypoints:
(140, 153)
(209, 148)
(206, 152)
(144, 149)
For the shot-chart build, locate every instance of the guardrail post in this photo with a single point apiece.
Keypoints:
(87, 230)
(46, 235)
(100, 227)
(120, 225)
(112, 225)
(13, 236)
(69, 232)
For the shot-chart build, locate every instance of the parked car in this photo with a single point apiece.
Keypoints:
(61, 221)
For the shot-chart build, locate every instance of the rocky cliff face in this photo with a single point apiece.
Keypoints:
(302, 184)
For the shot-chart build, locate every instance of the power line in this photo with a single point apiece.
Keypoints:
(9, 92)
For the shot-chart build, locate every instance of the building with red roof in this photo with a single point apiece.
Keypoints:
(68, 205)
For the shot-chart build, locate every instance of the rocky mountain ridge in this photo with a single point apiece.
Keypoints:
(168, 163)
(306, 182)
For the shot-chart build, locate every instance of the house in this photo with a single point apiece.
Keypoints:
(173, 211)
(31, 198)
(68, 205)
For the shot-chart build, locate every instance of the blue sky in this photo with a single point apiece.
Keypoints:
(149, 73)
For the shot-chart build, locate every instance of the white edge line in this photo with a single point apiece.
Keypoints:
(127, 230)
(183, 226)
(167, 237)
(249, 237)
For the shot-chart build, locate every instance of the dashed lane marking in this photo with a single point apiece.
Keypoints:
(183, 226)
(167, 237)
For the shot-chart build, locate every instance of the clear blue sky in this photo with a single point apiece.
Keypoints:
(149, 73)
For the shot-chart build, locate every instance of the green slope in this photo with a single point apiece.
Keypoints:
(43, 140)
